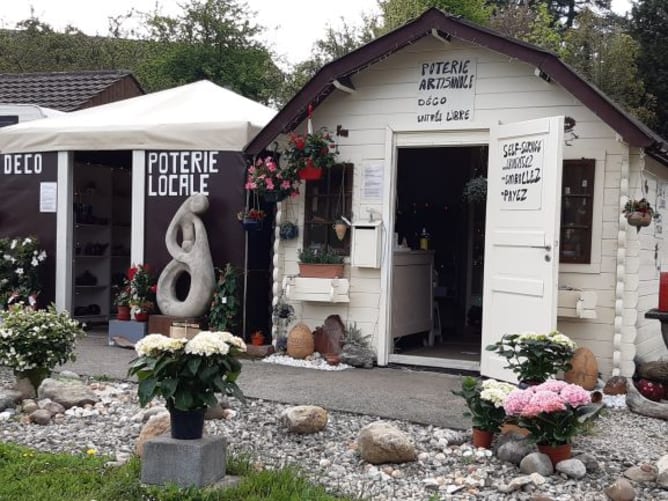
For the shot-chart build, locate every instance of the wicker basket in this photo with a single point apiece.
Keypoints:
(300, 341)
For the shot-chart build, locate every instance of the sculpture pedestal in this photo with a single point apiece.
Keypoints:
(185, 463)
(161, 324)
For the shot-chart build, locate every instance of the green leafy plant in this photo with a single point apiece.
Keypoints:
(642, 206)
(311, 150)
(313, 255)
(354, 336)
(224, 309)
(141, 287)
(535, 357)
(188, 373)
(34, 342)
(484, 400)
(20, 261)
(475, 190)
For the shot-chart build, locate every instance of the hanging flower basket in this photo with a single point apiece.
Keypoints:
(309, 154)
(251, 219)
(638, 213)
(288, 231)
(274, 196)
(310, 172)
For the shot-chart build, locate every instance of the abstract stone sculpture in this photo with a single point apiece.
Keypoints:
(192, 257)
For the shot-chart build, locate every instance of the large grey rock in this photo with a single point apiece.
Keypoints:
(51, 406)
(513, 447)
(381, 442)
(185, 463)
(304, 419)
(621, 490)
(642, 473)
(29, 405)
(662, 471)
(67, 392)
(192, 256)
(157, 425)
(357, 356)
(573, 468)
(537, 462)
(590, 462)
(40, 416)
(9, 398)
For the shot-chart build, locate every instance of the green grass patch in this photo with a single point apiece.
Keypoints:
(27, 475)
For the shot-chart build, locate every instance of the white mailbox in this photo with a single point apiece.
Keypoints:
(366, 244)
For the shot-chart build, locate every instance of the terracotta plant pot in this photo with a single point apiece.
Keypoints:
(320, 270)
(141, 316)
(257, 339)
(310, 172)
(482, 438)
(300, 341)
(340, 229)
(123, 313)
(556, 453)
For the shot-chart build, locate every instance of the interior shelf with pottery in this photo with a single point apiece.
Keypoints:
(101, 231)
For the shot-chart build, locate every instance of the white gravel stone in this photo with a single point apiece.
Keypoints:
(316, 363)
(621, 439)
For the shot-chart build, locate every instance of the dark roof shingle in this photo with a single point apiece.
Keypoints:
(66, 91)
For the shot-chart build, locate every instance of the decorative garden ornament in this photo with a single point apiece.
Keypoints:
(340, 228)
(192, 256)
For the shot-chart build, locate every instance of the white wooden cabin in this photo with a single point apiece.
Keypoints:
(595, 287)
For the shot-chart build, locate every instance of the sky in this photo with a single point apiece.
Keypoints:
(292, 25)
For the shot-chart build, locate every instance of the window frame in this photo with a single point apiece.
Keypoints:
(331, 195)
(588, 166)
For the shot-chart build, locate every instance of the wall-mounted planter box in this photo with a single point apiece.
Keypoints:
(577, 304)
(323, 290)
(307, 270)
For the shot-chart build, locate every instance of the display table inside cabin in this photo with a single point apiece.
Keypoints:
(412, 291)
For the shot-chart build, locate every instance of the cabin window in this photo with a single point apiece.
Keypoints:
(327, 200)
(577, 211)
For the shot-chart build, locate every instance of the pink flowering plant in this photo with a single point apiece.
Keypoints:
(266, 175)
(553, 412)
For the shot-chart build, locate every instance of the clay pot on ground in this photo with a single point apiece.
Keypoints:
(300, 341)
(482, 438)
(333, 358)
(257, 339)
(556, 453)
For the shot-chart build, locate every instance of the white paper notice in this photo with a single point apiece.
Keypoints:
(48, 197)
(372, 180)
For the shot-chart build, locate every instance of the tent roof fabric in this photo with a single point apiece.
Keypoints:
(197, 116)
(63, 91)
(445, 25)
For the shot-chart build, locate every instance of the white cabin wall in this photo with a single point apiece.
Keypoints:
(506, 91)
(652, 256)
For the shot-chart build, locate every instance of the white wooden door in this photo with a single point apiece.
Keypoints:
(521, 234)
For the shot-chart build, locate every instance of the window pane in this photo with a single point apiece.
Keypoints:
(577, 211)
(575, 245)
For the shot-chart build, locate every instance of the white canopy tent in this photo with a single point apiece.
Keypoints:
(197, 116)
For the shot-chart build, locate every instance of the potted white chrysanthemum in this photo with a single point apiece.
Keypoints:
(187, 374)
(34, 342)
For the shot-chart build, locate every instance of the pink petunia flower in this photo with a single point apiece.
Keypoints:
(285, 185)
(251, 170)
(270, 184)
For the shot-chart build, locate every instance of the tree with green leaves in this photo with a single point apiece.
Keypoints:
(649, 26)
(601, 51)
(563, 12)
(394, 13)
(214, 40)
(531, 24)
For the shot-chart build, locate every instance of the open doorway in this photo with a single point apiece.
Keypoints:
(437, 273)
(102, 224)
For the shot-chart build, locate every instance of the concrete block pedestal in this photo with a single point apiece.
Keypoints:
(184, 462)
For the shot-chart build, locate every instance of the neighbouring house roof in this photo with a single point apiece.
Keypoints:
(435, 21)
(68, 91)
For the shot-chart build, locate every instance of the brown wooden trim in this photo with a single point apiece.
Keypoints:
(320, 86)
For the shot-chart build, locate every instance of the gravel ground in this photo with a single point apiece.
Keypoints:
(447, 467)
